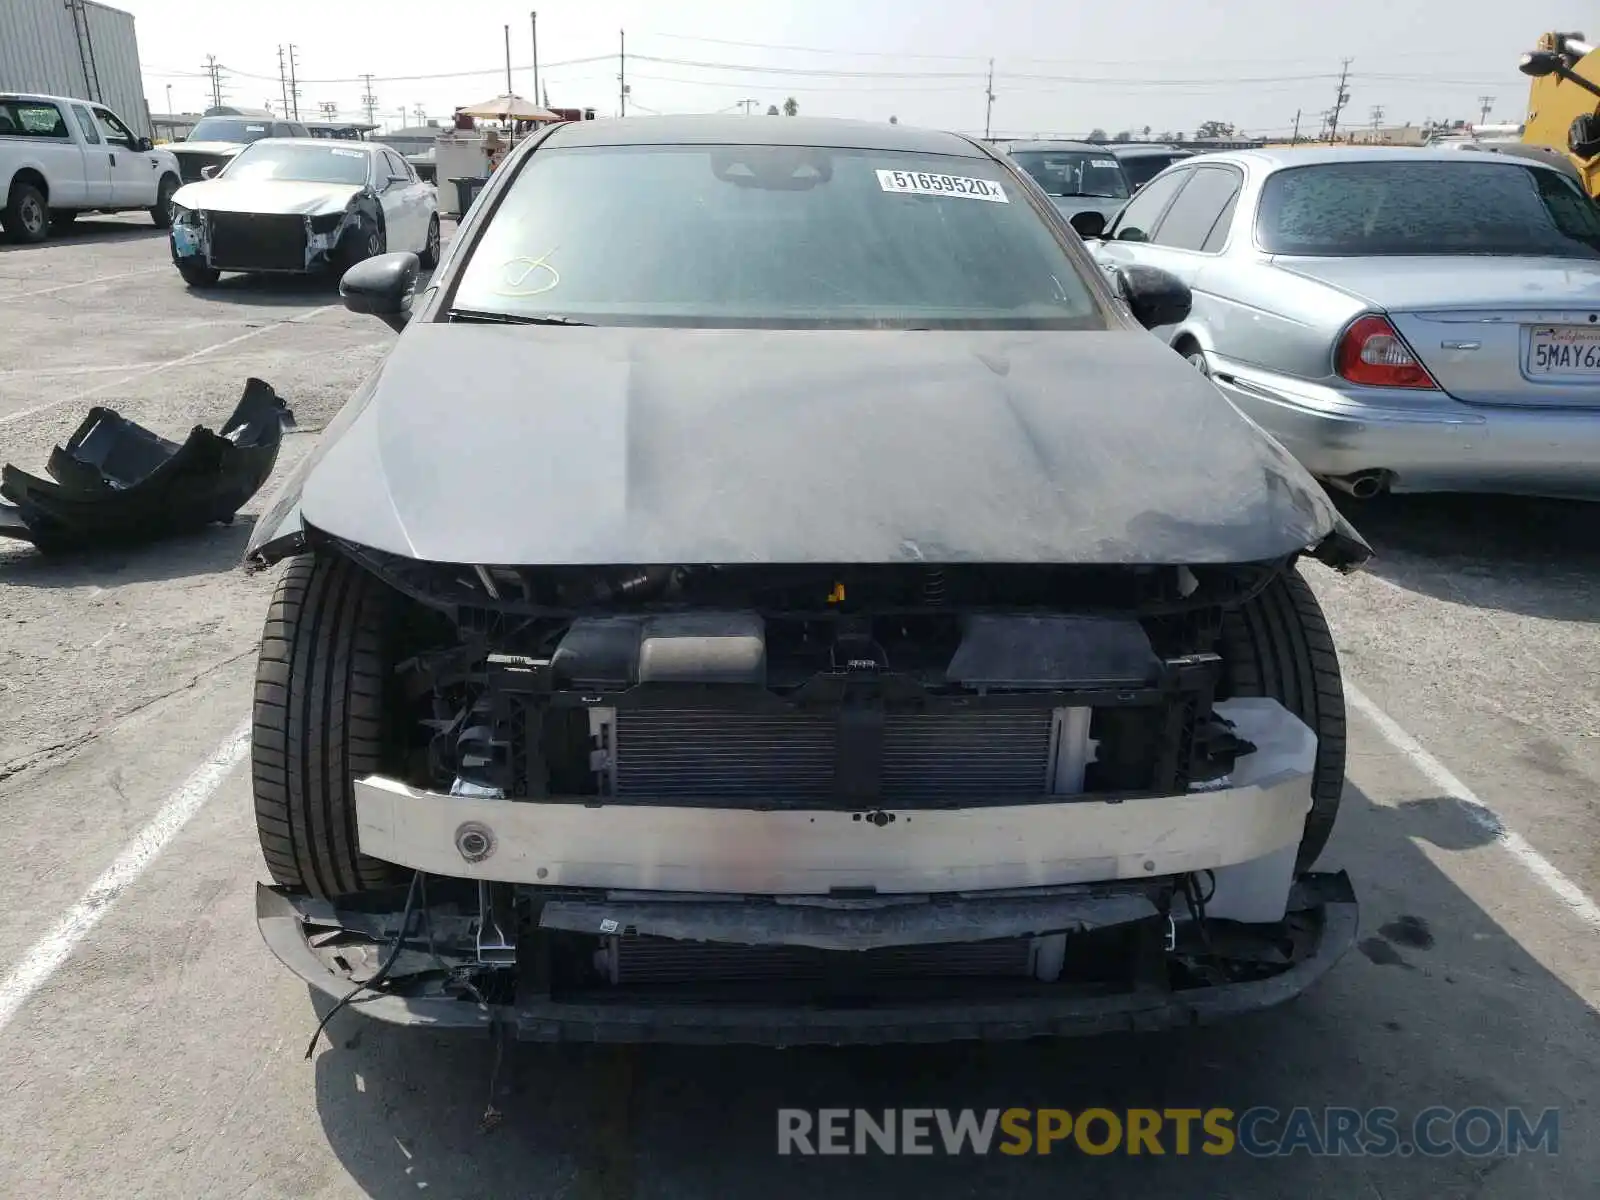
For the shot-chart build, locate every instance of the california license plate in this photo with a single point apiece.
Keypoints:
(1564, 350)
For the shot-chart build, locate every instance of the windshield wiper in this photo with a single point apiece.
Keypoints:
(489, 318)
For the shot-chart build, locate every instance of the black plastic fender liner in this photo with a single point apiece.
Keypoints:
(117, 483)
(287, 922)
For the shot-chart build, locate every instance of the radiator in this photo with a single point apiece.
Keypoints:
(927, 757)
(245, 242)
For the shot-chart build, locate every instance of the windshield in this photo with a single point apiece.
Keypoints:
(1142, 168)
(772, 236)
(309, 164)
(227, 129)
(1467, 207)
(1074, 172)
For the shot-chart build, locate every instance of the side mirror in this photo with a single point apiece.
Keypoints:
(1156, 297)
(382, 287)
(210, 172)
(144, 144)
(1088, 224)
(1539, 63)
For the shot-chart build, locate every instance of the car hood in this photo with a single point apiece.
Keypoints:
(1405, 283)
(206, 147)
(266, 196)
(562, 445)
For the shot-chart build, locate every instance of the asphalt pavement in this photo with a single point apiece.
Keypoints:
(151, 1046)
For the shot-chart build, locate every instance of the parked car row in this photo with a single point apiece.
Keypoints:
(1399, 319)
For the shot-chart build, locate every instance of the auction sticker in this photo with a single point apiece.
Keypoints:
(926, 183)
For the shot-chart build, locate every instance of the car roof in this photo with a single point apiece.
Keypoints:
(50, 98)
(830, 132)
(1137, 151)
(1046, 144)
(1276, 158)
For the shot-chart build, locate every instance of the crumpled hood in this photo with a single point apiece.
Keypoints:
(266, 196)
(1402, 283)
(559, 445)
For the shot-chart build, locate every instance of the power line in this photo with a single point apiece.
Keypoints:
(1276, 60)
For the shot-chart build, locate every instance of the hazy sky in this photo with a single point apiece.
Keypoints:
(1065, 66)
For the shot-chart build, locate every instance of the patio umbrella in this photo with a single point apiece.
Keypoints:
(508, 108)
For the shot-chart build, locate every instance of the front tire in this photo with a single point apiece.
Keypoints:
(161, 214)
(1278, 645)
(197, 275)
(429, 258)
(365, 241)
(26, 216)
(319, 724)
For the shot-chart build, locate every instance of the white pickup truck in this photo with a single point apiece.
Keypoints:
(61, 156)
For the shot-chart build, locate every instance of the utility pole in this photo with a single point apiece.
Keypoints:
(215, 71)
(421, 113)
(622, 72)
(368, 100)
(1295, 140)
(988, 107)
(533, 19)
(747, 105)
(169, 100)
(1339, 101)
(330, 110)
(294, 88)
(283, 81)
(1485, 103)
(1377, 119)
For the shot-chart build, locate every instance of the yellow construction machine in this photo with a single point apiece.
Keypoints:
(1564, 102)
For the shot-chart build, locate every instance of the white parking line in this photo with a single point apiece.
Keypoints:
(156, 368)
(1481, 815)
(65, 287)
(44, 958)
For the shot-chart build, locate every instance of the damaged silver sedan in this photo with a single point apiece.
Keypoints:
(821, 613)
(298, 205)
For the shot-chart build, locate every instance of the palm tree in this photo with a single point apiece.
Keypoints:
(790, 107)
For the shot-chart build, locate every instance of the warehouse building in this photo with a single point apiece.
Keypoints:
(74, 48)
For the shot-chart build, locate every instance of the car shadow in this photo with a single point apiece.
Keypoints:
(85, 231)
(288, 291)
(1437, 1006)
(1535, 557)
(214, 550)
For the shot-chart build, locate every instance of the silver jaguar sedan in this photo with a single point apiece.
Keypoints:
(1400, 319)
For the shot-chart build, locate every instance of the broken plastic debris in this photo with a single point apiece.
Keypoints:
(117, 483)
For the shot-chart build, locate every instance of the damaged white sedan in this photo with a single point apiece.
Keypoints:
(299, 205)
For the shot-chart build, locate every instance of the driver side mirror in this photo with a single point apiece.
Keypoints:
(1089, 224)
(382, 287)
(1156, 297)
(209, 172)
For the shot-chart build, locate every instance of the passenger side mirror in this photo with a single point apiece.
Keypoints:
(144, 144)
(382, 287)
(209, 172)
(1088, 224)
(1156, 297)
